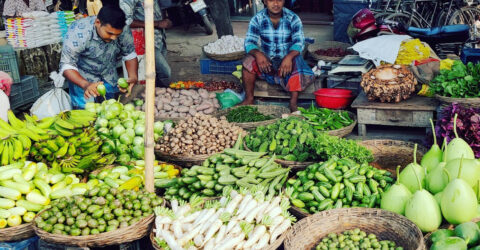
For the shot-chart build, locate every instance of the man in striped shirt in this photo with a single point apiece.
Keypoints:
(278, 60)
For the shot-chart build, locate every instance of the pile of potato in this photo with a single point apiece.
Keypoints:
(172, 103)
(199, 135)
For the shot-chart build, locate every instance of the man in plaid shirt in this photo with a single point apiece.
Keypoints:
(278, 60)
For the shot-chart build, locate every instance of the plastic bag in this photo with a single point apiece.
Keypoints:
(4, 106)
(229, 98)
(54, 101)
(411, 50)
(446, 64)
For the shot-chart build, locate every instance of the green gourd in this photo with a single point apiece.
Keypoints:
(450, 243)
(459, 202)
(437, 179)
(468, 231)
(423, 209)
(407, 176)
(458, 147)
(433, 157)
(470, 169)
(395, 198)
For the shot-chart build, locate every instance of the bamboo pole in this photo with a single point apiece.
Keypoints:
(149, 95)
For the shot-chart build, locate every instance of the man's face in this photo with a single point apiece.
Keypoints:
(107, 32)
(274, 6)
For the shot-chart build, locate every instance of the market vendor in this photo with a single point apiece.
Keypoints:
(135, 13)
(91, 49)
(279, 59)
(16, 8)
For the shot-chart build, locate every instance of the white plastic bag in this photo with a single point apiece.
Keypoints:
(4, 106)
(54, 101)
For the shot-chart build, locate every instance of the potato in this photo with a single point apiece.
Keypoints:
(182, 109)
(161, 90)
(203, 93)
(213, 95)
(204, 106)
(169, 90)
(167, 107)
(185, 92)
(192, 111)
(176, 94)
(174, 103)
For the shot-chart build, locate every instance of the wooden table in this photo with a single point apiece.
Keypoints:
(413, 112)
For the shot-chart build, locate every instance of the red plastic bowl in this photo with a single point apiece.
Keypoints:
(333, 98)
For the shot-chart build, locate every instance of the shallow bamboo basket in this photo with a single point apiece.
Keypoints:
(225, 57)
(17, 233)
(384, 224)
(327, 45)
(465, 102)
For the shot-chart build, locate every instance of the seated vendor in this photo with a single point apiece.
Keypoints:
(278, 60)
(16, 8)
(134, 10)
(90, 52)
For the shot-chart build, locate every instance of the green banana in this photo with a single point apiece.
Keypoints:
(62, 151)
(62, 131)
(17, 149)
(64, 124)
(52, 146)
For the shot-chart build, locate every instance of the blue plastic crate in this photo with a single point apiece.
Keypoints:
(8, 62)
(210, 66)
(24, 92)
(28, 244)
(470, 55)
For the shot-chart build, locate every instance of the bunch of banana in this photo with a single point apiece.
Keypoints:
(70, 123)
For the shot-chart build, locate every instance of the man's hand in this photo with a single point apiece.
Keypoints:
(163, 24)
(263, 63)
(131, 81)
(286, 66)
(91, 90)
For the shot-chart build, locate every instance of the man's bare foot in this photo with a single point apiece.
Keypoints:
(293, 107)
(247, 102)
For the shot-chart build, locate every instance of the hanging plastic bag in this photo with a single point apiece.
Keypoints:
(54, 101)
(4, 106)
(229, 98)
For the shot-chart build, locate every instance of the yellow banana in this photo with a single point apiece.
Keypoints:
(14, 121)
(64, 124)
(46, 122)
(52, 146)
(26, 142)
(62, 151)
(36, 129)
(30, 120)
(62, 131)
(32, 135)
(17, 149)
(45, 151)
(6, 151)
(2, 145)
(5, 126)
(71, 149)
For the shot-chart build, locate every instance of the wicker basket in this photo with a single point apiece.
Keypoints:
(391, 153)
(465, 102)
(342, 132)
(183, 160)
(427, 238)
(225, 57)
(327, 45)
(274, 246)
(21, 232)
(119, 236)
(272, 110)
(386, 225)
(294, 165)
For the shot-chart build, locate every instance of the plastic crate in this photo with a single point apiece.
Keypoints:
(8, 62)
(210, 66)
(28, 244)
(345, 82)
(470, 55)
(24, 92)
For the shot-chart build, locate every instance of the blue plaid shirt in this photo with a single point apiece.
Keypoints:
(275, 43)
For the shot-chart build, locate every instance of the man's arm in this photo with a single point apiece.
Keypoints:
(298, 41)
(251, 46)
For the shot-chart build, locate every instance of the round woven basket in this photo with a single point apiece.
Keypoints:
(427, 238)
(465, 102)
(119, 236)
(21, 232)
(274, 246)
(342, 132)
(327, 45)
(272, 110)
(384, 224)
(389, 154)
(225, 57)
(183, 160)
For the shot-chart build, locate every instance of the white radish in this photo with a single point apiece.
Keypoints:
(191, 217)
(255, 235)
(274, 203)
(223, 200)
(187, 227)
(192, 248)
(189, 235)
(235, 230)
(210, 244)
(255, 211)
(177, 229)
(240, 245)
(279, 230)
(275, 212)
(263, 242)
(198, 240)
(174, 204)
(162, 220)
(232, 223)
(230, 243)
(244, 202)
(261, 213)
(220, 235)
(213, 229)
(247, 209)
(183, 210)
(172, 243)
(200, 216)
(233, 204)
(205, 217)
(276, 222)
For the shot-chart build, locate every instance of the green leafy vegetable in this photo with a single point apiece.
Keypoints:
(247, 114)
(461, 81)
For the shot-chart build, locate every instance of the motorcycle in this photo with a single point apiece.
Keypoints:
(194, 12)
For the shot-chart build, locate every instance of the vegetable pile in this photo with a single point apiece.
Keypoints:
(355, 239)
(325, 119)
(232, 168)
(187, 85)
(201, 134)
(334, 52)
(222, 85)
(122, 129)
(246, 114)
(225, 45)
(294, 139)
(465, 235)
(102, 209)
(245, 220)
(461, 81)
(337, 183)
(173, 103)
(444, 186)
(468, 125)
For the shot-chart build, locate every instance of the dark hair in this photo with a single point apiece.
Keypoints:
(113, 15)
